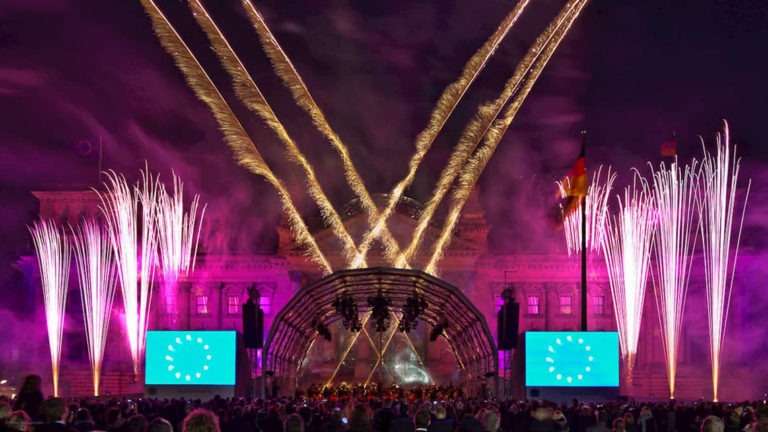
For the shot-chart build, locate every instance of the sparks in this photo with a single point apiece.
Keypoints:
(627, 251)
(295, 84)
(718, 189)
(250, 94)
(445, 106)
(178, 234)
(674, 191)
(53, 257)
(98, 280)
(518, 87)
(597, 209)
(120, 208)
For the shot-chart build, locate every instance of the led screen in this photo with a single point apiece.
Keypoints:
(572, 359)
(190, 357)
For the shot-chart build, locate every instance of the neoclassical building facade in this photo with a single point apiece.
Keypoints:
(547, 287)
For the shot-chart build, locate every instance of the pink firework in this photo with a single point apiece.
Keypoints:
(675, 192)
(133, 238)
(52, 248)
(98, 280)
(178, 234)
(627, 252)
(718, 187)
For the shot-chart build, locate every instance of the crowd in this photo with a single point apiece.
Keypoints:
(378, 391)
(31, 412)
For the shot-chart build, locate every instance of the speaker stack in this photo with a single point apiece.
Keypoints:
(508, 320)
(253, 325)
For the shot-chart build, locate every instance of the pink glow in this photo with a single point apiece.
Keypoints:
(627, 251)
(120, 208)
(675, 192)
(178, 235)
(53, 257)
(98, 281)
(718, 183)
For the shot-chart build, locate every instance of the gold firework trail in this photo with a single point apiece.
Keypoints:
(235, 135)
(250, 94)
(291, 79)
(445, 107)
(545, 45)
(477, 128)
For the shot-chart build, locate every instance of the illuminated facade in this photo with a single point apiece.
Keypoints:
(547, 287)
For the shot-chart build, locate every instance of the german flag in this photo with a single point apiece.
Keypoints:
(669, 147)
(575, 185)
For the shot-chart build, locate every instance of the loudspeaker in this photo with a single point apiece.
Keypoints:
(507, 319)
(253, 326)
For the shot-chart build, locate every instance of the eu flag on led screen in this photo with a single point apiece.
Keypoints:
(572, 359)
(190, 357)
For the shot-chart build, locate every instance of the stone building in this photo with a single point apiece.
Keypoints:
(547, 287)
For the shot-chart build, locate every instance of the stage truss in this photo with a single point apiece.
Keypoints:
(292, 334)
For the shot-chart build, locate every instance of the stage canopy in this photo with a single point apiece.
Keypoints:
(467, 333)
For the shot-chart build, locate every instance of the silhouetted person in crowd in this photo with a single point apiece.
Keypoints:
(136, 423)
(491, 421)
(293, 423)
(441, 423)
(629, 422)
(403, 422)
(712, 423)
(618, 425)
(18, 421)
(30, 397)
(646, 422)
(359, 419)
(469, 423)
(335, 422)
(54, 412)
(541, 420)
(83, 421)
(732, 420)
(5, 411)
(600, 424)
(421, 420)
(200, 420)
(271, 422)
(160, 425)
(114, 420)
(383, 417)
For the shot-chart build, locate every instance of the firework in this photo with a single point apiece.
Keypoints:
(485, 126)
(674, 190)
(627, 251)
(445, 106)
(236, 137)
(178, 233)
(718, 189)
(120, 205)
(52, 249)
(146, 192)
(597, 208)
(250, 94)
(295, 84)
(98, 280)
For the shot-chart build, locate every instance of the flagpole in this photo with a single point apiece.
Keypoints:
(584, 242)
(100, 159)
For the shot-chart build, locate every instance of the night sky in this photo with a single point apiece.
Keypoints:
(76, 72)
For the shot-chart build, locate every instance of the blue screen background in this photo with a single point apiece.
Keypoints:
(572, 359)
(190, 357)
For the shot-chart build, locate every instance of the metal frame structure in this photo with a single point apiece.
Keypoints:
(291, 334)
